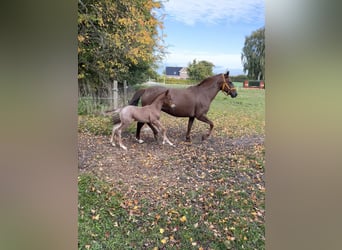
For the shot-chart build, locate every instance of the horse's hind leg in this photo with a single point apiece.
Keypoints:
(137, 134)
(190, 122)
(155, 131)
(139, 126)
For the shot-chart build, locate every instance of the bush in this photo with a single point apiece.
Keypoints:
(97, 125)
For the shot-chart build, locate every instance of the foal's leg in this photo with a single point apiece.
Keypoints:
(163, 130)
(118, 133)
(115, 127)
(205, 119)
(190, 122)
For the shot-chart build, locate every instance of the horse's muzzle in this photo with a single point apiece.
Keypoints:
(233, 95)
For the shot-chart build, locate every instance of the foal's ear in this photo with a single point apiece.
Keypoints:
(167, 92)
(227, 74)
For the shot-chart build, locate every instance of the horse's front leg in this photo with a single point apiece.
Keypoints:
(205, 119)
(190, 122)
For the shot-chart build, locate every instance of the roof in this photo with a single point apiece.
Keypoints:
(172, 71)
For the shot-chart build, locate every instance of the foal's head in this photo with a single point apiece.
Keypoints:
(227, 86)
(167, 100)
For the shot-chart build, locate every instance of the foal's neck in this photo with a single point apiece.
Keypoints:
(158, 102)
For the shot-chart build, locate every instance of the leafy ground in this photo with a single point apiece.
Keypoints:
(199, 195)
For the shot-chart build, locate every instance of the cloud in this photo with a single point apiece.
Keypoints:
(214, 11)
(221, 61)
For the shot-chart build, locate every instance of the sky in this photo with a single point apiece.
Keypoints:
(211, 30)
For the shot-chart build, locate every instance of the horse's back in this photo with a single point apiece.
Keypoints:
(151, 93)
(184, 98)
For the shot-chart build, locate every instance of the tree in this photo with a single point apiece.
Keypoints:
(117, 40)
(253, 55)
(200, 70)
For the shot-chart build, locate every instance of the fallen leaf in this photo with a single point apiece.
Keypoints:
(97, 217)
(183, 218)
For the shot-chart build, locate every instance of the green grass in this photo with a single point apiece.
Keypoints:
(243, 115)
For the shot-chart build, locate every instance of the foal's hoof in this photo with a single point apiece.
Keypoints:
(188, 139)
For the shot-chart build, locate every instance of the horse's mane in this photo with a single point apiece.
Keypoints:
(207, 79)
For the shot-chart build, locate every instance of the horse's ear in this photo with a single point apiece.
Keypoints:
(167, 92)
(227, 74)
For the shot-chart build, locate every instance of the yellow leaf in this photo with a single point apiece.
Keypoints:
(164, 240)
(183, 218)
(80, 38)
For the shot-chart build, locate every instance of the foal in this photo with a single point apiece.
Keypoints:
(147, 114)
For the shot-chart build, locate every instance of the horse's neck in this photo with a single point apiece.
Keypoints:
(209, 89)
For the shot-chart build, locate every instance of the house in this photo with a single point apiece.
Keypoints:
(176, 72)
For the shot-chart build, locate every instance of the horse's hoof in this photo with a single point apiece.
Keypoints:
(123, 147)
(113, 144)
(204, 137)
(188, 140)
(139, 140)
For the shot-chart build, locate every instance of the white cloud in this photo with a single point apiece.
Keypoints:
(213, 11)
(222, 61)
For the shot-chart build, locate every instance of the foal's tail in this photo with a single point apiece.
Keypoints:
(136, 97)
(115, 113)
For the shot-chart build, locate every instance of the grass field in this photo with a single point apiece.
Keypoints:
(223, 210)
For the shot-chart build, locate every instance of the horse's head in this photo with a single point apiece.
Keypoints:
(168, 100)
(227, 86)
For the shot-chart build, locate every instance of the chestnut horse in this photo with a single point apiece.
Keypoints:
(148, 114)
(193, 102)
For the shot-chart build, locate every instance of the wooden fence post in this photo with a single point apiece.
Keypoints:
(115, 94)
(125, 92)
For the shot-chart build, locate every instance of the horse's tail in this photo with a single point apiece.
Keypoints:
(136, 97)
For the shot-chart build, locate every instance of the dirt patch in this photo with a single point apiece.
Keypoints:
(151, 170)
